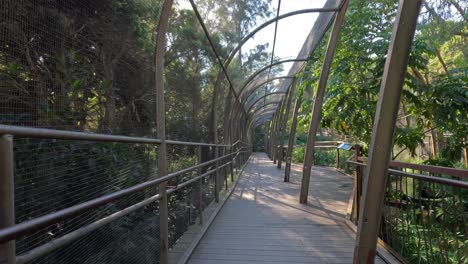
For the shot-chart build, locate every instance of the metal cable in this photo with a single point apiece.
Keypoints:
(220, 62)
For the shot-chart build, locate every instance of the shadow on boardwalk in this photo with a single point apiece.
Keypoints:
(263, 222)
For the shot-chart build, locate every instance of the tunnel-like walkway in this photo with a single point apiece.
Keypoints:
(262, 221)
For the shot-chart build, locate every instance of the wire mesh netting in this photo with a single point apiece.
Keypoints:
(425, 221)
(78, 65)
(89, 66)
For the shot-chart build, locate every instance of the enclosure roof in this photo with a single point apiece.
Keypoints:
(261, 83)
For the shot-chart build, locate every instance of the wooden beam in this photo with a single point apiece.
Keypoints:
(382, 133)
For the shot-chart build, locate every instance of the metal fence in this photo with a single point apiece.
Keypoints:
(425, 213)
(80, 218)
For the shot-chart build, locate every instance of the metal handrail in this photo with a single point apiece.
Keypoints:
(455, 172)
(76, 234)
(26, 227)
(451, 182)
(72, 135)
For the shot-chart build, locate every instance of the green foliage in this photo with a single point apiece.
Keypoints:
(322, 157)
(410, 138)
(435, 95)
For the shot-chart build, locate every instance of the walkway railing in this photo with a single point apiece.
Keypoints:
(193, 187)
(425, 213)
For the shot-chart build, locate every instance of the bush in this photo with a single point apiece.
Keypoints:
(322, 157)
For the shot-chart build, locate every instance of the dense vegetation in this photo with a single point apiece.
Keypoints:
(424, 222)
(89, 66)
(434, 106)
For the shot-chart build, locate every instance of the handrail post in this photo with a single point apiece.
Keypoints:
(200, 187)
(225, 169)
(7, 196)
(232, 172)
(337, 158)
(375, 177)
(217, 186)
(357, 184)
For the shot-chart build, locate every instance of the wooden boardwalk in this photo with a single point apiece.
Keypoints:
(263, 222)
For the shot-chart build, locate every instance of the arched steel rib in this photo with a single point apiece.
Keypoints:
(255, 74)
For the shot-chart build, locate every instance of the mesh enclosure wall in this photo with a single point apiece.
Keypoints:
(89, 66)
(83, 65)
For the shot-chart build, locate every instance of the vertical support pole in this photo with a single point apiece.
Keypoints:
(200, 187)
(279, 132)
(465, 156)
(357, 183)
(317, 109)
(217, 183)
(7, 197)
(225, 169)
(382, 133)
(265, 136)
(284, 122)
(232, 172)
(161, 128)
(292, 136)
(275, 132)
(337, 158)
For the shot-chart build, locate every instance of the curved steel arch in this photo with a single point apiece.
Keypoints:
(268, 114)
(265, 118)
(260, 98)
(263, 106)
(262, 26)
(272, 79)
(267, 81)
(255, 74)
(266, 104)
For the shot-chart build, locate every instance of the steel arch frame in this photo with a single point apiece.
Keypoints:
(255, 74)
(263, 96)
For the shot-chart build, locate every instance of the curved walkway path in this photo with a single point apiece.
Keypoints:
(263, 222)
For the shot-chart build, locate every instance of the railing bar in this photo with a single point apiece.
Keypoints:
(204, 175)
(72, 135)
(78, 233)
(463, 173)
(184, 184)
(451, 182)
(30, 225)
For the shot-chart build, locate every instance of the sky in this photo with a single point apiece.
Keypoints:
(292, 31)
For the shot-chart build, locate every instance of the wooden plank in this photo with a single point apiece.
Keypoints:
(262, 222)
